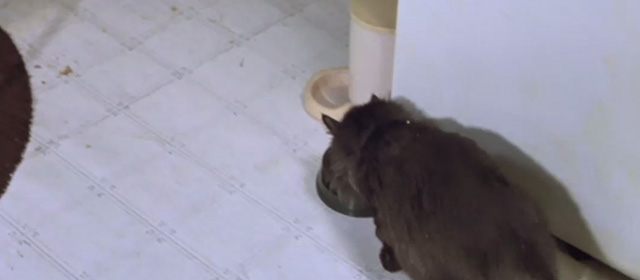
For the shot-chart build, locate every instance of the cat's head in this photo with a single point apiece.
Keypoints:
(350, 133)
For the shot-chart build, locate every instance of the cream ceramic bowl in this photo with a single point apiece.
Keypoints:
(328, 93)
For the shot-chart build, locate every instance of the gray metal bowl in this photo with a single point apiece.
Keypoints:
(342, 200)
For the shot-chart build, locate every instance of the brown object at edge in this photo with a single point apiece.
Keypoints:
(15, 109)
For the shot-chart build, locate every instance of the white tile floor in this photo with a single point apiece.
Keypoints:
(178, 147)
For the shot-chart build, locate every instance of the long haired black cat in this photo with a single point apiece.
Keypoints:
(443, 209)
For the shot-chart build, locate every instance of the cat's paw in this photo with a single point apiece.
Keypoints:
(388, 259)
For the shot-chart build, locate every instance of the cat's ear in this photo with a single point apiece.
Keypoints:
(374, 99)
(330, 123)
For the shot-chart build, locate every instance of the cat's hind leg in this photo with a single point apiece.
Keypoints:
(388, 259)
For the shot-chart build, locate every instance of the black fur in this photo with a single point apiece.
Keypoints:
(443, 209)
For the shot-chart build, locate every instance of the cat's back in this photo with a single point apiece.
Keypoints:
(446, 201)
(421, 150)
(435, 170)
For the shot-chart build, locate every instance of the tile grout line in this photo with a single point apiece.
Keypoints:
(130, 209)
(293, 145)
(240, 108)
(124, 205)
(276, 214)
(178, 73)
(193, 159)
(114, 109)
(131, 43)
(140, 217)
(48, 256)
(49, 146)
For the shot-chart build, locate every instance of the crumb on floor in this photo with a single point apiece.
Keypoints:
(66, 71)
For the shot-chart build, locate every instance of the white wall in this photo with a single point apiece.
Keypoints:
(560, 79)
